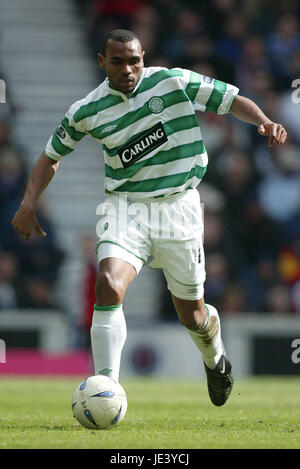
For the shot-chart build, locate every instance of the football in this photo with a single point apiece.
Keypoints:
(99, 402)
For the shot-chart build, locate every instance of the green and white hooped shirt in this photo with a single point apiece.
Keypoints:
(151, 139)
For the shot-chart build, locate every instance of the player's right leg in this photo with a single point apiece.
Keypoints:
(123, 248)
(108, 331)
(114, 276)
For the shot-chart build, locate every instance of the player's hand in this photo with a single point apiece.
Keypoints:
(275, 132)
(26, 223)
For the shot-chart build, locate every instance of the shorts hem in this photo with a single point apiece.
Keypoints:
(184, 291)
(120, 246)
(181, 283)
(188, 298)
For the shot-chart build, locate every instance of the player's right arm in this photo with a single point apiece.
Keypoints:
(25, 220)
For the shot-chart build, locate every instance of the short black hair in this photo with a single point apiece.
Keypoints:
(119, 35)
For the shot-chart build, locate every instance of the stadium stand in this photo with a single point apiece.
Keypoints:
(252, 239)
(251, 194)
(47, 66)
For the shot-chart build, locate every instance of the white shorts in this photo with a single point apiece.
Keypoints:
(169, 229)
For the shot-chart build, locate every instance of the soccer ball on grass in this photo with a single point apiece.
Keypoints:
(99, 402)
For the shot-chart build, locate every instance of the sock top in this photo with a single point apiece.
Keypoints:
(107, 308)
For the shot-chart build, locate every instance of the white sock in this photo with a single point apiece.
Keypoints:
(208, 338)
(108, 335)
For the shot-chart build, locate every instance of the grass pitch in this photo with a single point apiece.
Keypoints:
(261, 413)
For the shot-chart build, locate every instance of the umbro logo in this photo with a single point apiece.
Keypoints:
(109, 128)
(105, 371)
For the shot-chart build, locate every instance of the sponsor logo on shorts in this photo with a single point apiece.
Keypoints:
(60, 132)
(144, 144)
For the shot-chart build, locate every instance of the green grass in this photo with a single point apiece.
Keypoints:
(261, 413)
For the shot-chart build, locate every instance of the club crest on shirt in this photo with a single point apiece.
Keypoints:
(60, 132)
(156, 104)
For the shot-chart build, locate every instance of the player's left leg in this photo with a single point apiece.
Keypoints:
(203, 325)
(180, 254)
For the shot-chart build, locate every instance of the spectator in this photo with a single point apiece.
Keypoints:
(106, 15)
(37, 292)
(189, 41)
(279, 192)
(233, 300)
(228, 48)
(283, 43)
(278, 300)
(32, 259)
(9, 271)
(12, 183)
(295, 297)
(218, 274)
(258, 278)
(253, 57)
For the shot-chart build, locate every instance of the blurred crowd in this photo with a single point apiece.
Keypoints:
(28, 269)
(251, 193)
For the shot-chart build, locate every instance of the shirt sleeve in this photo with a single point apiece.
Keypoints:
(66, 136)
(210, 94)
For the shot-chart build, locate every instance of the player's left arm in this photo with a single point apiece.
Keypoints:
(247, 111)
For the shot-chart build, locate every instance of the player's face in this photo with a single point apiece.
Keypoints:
(123, 64)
